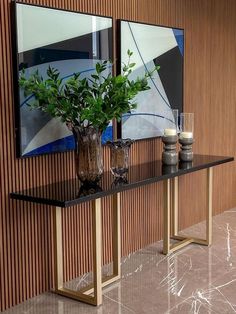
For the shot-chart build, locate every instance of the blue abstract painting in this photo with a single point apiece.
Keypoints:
(68, 41)
(151, 46)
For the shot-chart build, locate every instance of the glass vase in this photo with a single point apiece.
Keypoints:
(88, 154)
(120, 157)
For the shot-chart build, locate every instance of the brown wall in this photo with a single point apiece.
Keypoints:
(209, 91)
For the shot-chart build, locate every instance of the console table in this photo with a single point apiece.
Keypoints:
(71, 192)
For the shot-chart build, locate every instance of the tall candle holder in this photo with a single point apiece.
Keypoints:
(170, 138)
(186, 139)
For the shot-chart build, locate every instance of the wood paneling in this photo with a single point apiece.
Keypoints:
(209, 90)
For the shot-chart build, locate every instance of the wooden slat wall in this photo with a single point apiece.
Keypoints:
(209, 90)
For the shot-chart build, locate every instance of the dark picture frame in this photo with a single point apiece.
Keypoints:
(67, 40)
(152, 45)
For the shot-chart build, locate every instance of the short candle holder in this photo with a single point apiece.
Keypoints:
(169, 155)
(186, 152)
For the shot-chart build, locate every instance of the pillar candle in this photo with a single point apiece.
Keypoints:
(186, 135)
(170, 132)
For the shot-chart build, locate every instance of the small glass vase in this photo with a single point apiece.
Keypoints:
(120, 157)
(88, 154)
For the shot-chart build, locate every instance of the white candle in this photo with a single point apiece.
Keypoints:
(186, 135)
(170, 132)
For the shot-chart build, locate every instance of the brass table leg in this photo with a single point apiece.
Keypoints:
(171, 205)
(116, 243)
(97, 251)
(209, 204)
(175, 205)
(84, 295)
(58, 255)
(166, 217)
(116, 237)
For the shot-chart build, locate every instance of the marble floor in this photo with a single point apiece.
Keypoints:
(195, 280)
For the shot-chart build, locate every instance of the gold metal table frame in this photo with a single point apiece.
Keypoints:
(171, 207)
(92, 294)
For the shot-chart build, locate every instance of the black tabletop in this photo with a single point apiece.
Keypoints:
(71, 192)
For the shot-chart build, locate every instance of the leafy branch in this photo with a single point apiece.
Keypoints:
(86, 101)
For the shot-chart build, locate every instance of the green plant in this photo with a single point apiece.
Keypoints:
(88, 101)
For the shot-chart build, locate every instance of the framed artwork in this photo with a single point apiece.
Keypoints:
(153, 45)
(68, 41)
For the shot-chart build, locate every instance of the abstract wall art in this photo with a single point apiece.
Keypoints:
(153, 45)
(68, 41)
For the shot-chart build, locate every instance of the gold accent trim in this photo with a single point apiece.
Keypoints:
(166, 217)
(209, 205)
(179, 245)
(97, 250)
(116, 236)
(175, 205)
(105, 282)
(194, 240)
(58, 255)
(96, 287)
(76, 295)
(171, 205)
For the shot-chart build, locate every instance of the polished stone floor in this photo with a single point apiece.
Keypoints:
(195, 280)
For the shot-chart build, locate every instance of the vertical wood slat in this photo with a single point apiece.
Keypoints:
(26, 263)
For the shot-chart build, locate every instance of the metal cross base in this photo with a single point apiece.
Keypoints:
(171, 206)
(92, 294)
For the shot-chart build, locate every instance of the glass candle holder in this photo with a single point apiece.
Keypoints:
(169, 139)
(186, 125)
(186, 136)
(171, 117)
(120, 157)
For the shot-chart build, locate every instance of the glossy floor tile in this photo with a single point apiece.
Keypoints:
(194, 280)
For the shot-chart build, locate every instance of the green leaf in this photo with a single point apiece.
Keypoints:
(132, 65)
(96, 77)
(129, 53)
(98, 67)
